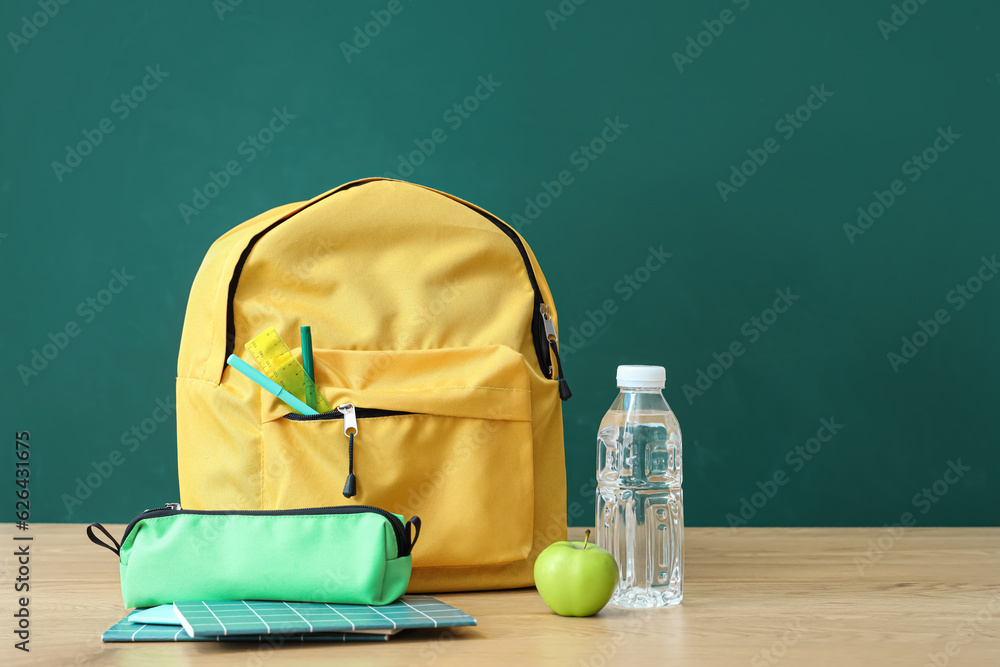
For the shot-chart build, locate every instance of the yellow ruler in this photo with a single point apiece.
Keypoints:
(277, 362)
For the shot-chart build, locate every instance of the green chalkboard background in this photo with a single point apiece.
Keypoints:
(890, 84)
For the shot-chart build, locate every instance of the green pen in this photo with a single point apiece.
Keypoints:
(307, 364)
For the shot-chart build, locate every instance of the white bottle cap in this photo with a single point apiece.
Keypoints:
(645, 377)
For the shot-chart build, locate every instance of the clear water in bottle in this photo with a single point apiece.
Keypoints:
(640, 506)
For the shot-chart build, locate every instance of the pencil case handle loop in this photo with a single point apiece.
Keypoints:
(93, 538)
(415, 522)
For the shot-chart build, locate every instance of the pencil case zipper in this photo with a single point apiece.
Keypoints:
(400, 529)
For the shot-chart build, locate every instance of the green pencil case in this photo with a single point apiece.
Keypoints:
(350, 554)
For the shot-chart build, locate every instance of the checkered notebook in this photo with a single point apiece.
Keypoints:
(123, 631)
(293, 621)
(256, 617)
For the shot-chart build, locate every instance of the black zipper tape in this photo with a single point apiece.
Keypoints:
(238, 270)
(360, 413)
(403, 543)
(538, 327)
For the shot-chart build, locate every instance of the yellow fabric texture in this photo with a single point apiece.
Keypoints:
(417, 303)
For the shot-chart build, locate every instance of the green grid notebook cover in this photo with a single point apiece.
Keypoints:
(292, 621)
(209, 619)
(123, 631)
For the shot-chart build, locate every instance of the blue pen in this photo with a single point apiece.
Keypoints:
(269, 385)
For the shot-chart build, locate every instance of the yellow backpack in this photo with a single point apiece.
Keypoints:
(429, 315)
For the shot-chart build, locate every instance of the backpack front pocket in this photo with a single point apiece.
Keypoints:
(445, 434)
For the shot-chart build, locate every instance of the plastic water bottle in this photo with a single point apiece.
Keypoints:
(640, 506)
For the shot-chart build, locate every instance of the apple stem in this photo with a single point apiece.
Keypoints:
(586, 538)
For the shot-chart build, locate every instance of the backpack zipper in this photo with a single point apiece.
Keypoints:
(552, 339)
(539, 336)
(171, 509)
(350, 415)
(359, 413)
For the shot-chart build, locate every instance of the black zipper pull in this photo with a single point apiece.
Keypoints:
(351, 485)
(553, 338)
(564, 391)
(350, 430)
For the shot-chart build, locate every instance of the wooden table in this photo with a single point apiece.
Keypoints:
(753, 596)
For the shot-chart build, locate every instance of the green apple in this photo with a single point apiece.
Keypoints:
(576, 578)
